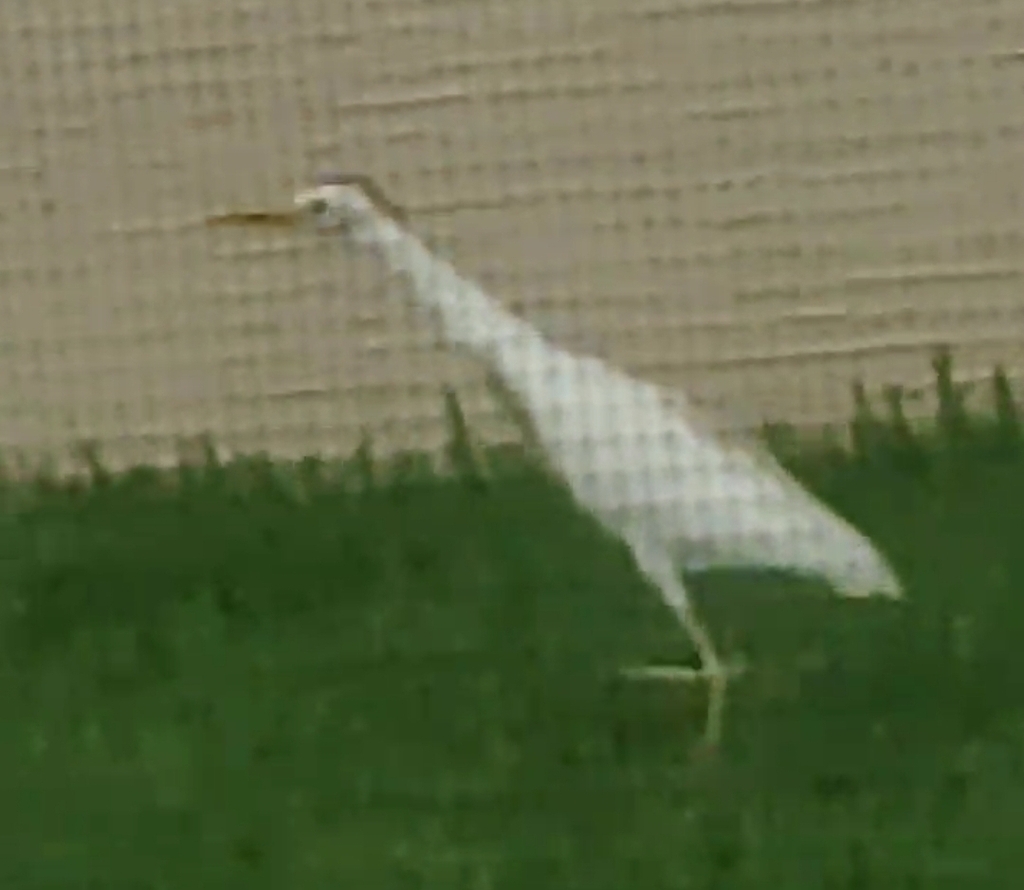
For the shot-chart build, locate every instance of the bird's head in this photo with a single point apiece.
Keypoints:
(347, 202)
(350, 203)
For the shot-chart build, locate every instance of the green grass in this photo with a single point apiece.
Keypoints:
(249, 676)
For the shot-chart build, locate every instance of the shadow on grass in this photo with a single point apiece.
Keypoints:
(350, 674)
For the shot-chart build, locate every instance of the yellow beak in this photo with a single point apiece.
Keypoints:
(266, 218)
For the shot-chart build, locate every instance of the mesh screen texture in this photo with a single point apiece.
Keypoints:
(754, 200)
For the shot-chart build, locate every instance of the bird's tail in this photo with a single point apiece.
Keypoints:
(857, 569)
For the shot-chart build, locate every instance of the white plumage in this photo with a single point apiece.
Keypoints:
(638, 458)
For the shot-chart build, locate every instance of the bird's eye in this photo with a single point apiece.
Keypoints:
(318, 206)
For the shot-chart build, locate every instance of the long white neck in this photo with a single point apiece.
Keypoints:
(467, 315)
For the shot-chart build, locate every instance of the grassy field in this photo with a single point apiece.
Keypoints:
(250, 676)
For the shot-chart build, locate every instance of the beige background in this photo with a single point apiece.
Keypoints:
(750, 199)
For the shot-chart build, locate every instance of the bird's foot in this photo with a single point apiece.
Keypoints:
(717, 674)
(683, 674)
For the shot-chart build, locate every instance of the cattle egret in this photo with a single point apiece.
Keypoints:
(636, 457)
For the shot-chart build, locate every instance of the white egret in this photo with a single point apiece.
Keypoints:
(637, 458)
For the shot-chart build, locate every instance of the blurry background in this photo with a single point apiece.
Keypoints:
(754, 200)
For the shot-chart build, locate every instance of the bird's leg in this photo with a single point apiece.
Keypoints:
(715, 672)
(660, 569)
